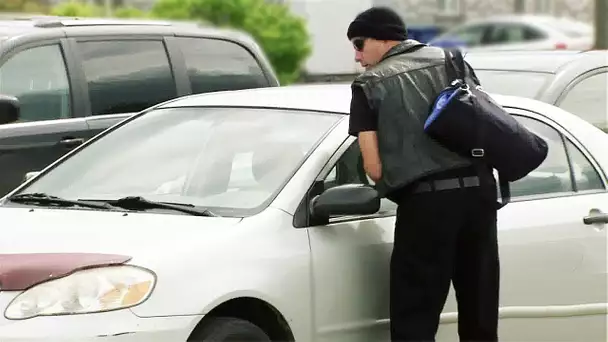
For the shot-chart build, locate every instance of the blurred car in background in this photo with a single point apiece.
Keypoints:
(518, 32)
(572, 80)
(75, 78)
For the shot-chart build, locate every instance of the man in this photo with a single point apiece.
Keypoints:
(445, 227)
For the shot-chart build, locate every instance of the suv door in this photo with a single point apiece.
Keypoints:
(123, 76)
(49, 126)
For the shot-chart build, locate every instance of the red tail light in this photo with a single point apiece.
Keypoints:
(561, 46)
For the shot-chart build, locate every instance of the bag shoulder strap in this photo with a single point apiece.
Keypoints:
(457, 68)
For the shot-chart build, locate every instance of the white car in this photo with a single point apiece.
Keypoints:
(519, 32)
(273, 233)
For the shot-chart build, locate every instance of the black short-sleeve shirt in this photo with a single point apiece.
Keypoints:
(362, 117)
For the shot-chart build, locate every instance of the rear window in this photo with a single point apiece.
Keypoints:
(514, 83)
(216, 65)
(570, 28)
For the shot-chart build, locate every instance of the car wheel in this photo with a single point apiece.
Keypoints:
(227, 329)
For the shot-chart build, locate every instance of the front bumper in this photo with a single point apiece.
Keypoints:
(115, 326)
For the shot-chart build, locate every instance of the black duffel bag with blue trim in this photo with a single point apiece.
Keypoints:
(466, 120)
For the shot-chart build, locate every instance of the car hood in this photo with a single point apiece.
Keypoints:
(60, 241)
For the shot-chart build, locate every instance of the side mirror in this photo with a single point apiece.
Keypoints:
(348, 199)
(30, 175)
(9, 109)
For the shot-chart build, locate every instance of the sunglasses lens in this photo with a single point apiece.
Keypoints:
(358, 43)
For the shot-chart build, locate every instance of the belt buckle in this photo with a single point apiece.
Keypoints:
(477, 152)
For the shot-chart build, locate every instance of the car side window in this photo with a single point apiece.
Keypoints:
(586, 177)
(38, 78)
(512, 33)
(553, 175)
(215, 65)
(471, 35)
(126, 76)
(349, 170)
(587, 99)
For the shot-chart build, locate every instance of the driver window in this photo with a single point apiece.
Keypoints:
(349, 170)
(38, 78)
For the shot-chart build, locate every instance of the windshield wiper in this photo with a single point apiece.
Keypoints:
(45, 199)
(140, 203)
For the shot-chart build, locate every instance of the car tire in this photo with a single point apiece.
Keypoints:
(227, 329)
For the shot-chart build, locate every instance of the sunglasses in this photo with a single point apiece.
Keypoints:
(358, 43)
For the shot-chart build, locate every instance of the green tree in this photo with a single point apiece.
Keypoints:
(171, 9)
(282, 35)
(130, 12)
(77, 9)
(30, 6)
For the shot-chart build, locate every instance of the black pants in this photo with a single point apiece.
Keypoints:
(443, 236)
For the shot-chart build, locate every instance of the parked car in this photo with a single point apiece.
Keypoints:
(576, 81)
(75, 78)
(519, 32)
(248, 214)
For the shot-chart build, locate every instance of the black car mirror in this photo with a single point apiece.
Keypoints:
(344, 200)
(9, 109)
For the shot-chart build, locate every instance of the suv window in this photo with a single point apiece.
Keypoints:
(215, 65)
(38, 78)
(126, 76)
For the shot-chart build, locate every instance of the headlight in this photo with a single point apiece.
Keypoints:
(87, 291)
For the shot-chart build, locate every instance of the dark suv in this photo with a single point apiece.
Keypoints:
(75, 78)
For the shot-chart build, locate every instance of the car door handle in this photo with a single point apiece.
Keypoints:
(596, 218)
(71, 142)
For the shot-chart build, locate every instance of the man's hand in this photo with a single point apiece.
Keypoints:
(368, 143)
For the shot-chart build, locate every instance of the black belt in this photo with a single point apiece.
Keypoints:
(446, 184)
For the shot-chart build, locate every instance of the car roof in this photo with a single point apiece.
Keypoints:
(550, 61)
(331, 98)
(24, 25)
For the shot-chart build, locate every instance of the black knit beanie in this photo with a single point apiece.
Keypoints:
(381, 23)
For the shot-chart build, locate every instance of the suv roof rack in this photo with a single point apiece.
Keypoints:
(69, 22)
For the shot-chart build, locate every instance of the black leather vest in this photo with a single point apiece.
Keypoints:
(402, 88)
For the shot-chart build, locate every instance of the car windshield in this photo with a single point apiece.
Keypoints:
(514, 83)
(229, 160)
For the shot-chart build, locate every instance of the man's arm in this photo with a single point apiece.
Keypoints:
(363, 123)
(368, 143)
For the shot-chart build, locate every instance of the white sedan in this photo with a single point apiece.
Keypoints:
(519, 32)
(199, 220)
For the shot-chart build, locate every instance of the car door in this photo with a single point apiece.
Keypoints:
(553, 262)
(140, 76)
(350, 261)
(50, 125)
